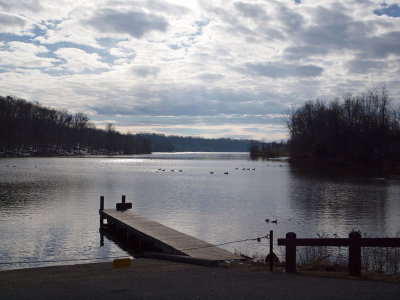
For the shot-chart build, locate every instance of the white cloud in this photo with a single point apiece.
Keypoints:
(10, 23)
(77, 60)
(19, 54)
(195, 58)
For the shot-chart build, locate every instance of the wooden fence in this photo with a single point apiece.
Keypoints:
(354, 242)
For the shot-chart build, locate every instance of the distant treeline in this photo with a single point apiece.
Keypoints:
(354, 130)
(269, 150)
(162, 143)
(30, 129)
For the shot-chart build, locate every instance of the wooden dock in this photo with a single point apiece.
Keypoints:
(154, 237)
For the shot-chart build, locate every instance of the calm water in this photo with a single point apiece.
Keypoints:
(49, 206)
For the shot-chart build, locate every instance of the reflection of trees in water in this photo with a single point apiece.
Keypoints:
(18, 196)
(35, 194)
(339, 197)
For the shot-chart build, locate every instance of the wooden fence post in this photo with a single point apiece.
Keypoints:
(290, 252)
(355, 254)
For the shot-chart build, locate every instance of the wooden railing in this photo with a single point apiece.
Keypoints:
(354, 242)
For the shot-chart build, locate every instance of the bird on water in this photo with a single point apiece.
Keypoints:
(273, 221)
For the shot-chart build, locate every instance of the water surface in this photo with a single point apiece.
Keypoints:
(49, 206)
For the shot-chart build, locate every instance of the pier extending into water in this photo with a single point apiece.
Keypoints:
(157, 240)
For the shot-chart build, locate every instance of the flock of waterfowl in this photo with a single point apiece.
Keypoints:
(211, 172)
(172, 170)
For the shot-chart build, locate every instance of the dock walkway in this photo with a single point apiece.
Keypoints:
(162, 238)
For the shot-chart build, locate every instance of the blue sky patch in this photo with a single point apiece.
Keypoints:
(391, 11)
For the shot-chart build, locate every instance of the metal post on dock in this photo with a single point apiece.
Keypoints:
(271, 250)
(123, 205)
(100, 211)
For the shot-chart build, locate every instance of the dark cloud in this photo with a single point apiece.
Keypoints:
(145, 71)
(362, 66)
(291, 20)
(210, 121)
(277, 70)
(30, 5)
(382, 46)
(299, 52)
(207, 77)
(7, 20)
(250, 10)
(333, 31)
(391, 11)
(193, 102)
(133, 23)
(273, 34)
(118, 111)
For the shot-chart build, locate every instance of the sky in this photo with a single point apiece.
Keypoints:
(196, 68)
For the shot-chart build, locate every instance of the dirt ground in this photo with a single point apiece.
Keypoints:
(158, 279)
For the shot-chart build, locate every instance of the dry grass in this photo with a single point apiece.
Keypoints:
(381, 260)
(382, 264)
(373, 259)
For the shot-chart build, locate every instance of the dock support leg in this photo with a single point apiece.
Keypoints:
(101, 211)
(271, 250)
(101, 238)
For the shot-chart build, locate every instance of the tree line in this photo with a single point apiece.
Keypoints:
(31, 129)
(268, 150)
(353, 130)
(162, 143)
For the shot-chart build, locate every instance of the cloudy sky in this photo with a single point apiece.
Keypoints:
(202, 68)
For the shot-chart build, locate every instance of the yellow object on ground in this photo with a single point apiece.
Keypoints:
(122, 263)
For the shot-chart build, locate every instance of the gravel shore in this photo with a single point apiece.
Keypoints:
(158, 279)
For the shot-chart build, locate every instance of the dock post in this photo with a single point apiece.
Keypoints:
(101, 203)
(355, 254)
(290, 252)
(101, 211)
(271, 250)
(123, 205)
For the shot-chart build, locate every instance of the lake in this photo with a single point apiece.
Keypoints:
(49, 206)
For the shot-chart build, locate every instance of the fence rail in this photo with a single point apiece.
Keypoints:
(354, 242)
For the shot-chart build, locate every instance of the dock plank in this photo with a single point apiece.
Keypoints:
(182, 242)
